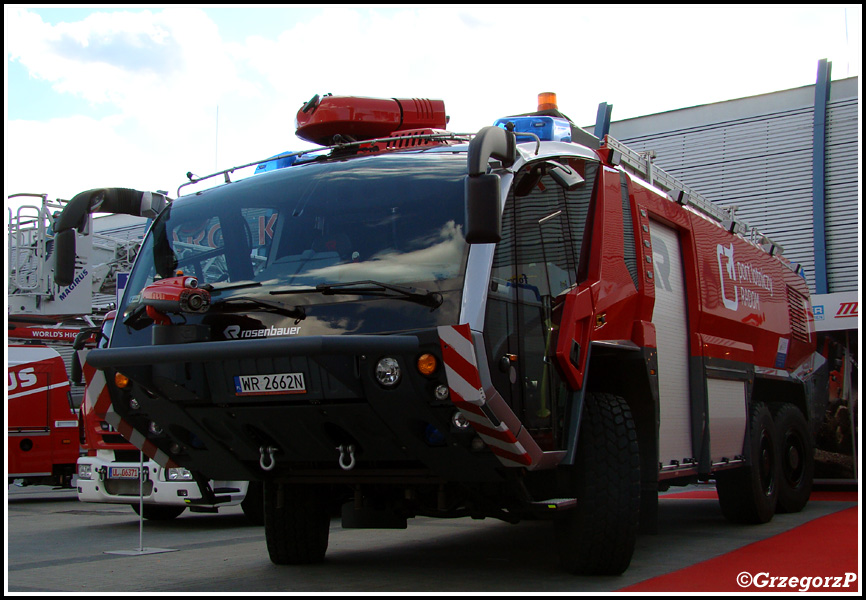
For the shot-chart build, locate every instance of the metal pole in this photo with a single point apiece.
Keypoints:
(141, 549)
(819, 146)
(140, 501)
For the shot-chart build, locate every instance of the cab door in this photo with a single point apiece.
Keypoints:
(534, 264)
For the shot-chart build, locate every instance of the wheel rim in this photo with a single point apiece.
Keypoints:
(794, 463)
(766, 463)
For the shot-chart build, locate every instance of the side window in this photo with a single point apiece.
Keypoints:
(536, 261)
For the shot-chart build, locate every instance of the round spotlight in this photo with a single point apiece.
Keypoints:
(441, 392)
(388, 372)
(133, 404)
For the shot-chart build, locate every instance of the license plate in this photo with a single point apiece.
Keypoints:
(123, 472)
(276, 383)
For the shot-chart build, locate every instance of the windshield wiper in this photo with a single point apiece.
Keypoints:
(296, 312)
(372, 288)
(230, 286)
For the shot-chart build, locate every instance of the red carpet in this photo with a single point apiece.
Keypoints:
(824, 550)
(711, 495)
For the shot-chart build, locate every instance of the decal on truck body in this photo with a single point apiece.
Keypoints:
(233, 332)
(739, 273)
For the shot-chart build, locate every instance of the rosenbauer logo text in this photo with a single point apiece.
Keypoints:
(233, 332)
(800, 584)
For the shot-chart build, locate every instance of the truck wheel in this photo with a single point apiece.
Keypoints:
(157, 512)
(598, 536)
(796, 458)
(749, 494)
(296, 523)
(253, 503)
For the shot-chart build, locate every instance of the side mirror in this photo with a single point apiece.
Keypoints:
(490, 142)
(77, 375)
(483, 217)
(482, 189)
(64, 257)
(83, 336)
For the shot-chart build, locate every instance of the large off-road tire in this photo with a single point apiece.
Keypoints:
(796, 458)
(297, 521)
(253, 503)
(598, 536)
(749, 494)
(159, 512)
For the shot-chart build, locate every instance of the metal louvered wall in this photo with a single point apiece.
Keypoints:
(841, 189)
(756, 154)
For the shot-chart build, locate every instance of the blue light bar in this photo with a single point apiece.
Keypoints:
(273, 165)
(548, 129)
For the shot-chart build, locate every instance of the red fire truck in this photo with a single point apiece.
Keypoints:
(523, 323)
(42, 434)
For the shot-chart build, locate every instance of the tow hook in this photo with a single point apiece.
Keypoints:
(344, 450)
(270, 450)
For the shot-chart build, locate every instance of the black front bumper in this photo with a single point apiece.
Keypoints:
(189, 391)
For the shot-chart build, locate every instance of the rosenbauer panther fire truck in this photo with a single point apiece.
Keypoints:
(523, 323)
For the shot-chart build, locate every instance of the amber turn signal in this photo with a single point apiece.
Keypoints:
(426, 364)
(121, 380)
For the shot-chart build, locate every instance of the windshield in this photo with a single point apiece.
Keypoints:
(390, 219)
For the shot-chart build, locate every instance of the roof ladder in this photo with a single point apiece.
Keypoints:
(641, 163)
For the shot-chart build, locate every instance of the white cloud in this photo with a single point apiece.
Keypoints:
(140, 62)
(163, 73)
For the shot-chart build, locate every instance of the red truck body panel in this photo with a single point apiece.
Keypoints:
(42, 436)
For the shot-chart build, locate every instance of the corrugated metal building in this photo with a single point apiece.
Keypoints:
(756, 154)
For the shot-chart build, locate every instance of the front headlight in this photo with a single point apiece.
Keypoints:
(85, 472)
(388, 372)
(179, 474)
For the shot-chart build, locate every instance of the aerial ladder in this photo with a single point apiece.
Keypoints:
(30, 248)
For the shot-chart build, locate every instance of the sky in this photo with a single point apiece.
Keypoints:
(137, 96)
